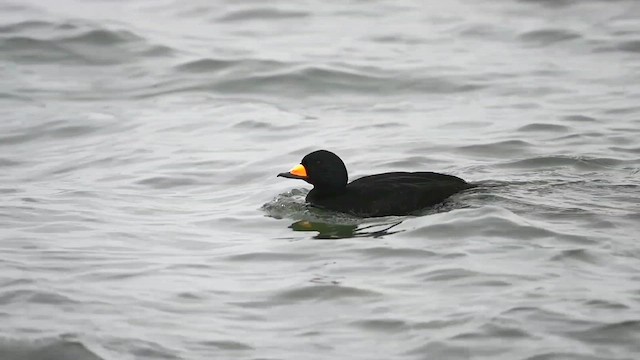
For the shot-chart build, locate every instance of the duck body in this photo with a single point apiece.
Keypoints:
(396, 193)
(393, 193)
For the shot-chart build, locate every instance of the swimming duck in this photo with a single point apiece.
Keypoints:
(392, 193)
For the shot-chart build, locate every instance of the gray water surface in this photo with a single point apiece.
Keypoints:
(142, 218)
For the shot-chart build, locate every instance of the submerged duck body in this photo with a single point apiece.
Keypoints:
(394, 193)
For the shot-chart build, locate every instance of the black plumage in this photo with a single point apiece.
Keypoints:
(394, 193)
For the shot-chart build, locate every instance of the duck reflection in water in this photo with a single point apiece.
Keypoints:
(342, 231)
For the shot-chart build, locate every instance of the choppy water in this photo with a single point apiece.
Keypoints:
(141, 217)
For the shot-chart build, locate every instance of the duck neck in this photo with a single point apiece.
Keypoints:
(326, 191)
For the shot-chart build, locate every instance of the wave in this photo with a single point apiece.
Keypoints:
(261, 14)
(246, 76)
(322, 292)
(548, 36)
(52, 129)
(489, 221)
(555, 161)
(77, 43)
(505, 148)
(540, 127)
(630, 46)
(567, 3)
(58, 349)
(580, 118)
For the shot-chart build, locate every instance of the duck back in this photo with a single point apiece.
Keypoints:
(396, 193)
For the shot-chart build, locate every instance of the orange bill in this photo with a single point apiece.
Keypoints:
(298, 172)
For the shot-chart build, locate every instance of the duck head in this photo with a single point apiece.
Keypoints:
(323, 169)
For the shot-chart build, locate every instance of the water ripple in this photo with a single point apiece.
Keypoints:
(261, 14)
(324, 292)
(505, 148)
(140, 142)
(544, 128)
(74, 43)
(545, 37)
(45, 350)
(560, 161)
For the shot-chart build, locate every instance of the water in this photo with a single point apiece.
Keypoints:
(141, 217)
